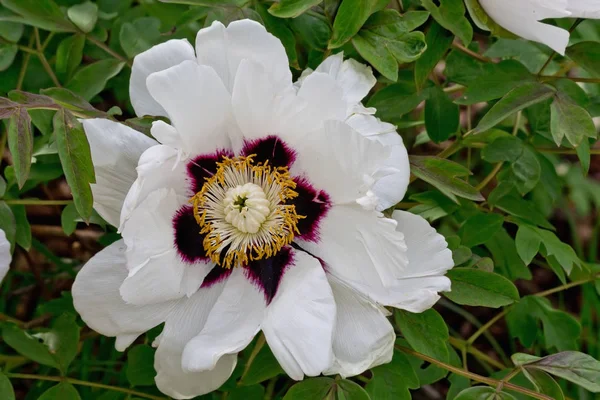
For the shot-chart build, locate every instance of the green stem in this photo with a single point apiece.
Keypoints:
(481, 356)
(471, 375)
(489, 178)
(573, 78)
(545, 293)
(42, 57)
(553, 54)
(471, 318)
(567, 286)
(470, 52)
(36, 202)
(110, 51)
(507, 379)
(84, 383)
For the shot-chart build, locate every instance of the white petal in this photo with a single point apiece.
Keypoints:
(261, 109)
(363, 337)
(157, 58)
(156, 271)
(325, 99)
(428, 253)
(232, 324)
(339, 160)
(521, 18)
(96, 298)
(5, 256)
(116, 150)
(391, 180)
(184, 323)
(378, 257)
(158, 168)
(428, 260)
(197, 103)
(369, 125)
(300, 320)
(584, 8)
(355, 79)
(224, 48)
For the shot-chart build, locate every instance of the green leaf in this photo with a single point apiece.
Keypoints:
(505, 256)
(443, 174)
(291, 8)
(6, 389)
(84, 15)
(313, 30)
(281, 30)
(463, 69)
(517, 99)
(264, 367)
(62, 391)
(544, 383)
(473, 287)
(140, 365)
(7, 108)
(508, 200)
(569, 120)
(579, 368)
(91, 79)
(8, 223)
(27, 345)
(138, 36)
(385, 40)
(350, 17)
(528, 242)
(426, 332)
(483, 393)
(43, 14)
(68, 219)
(451, 15)
(11, 31)
(349, 390)
(72, 101)
(210, 3)
(392, 381)
(76, 159)
(313, 388)
(393, 101)
(441, 116)
(438, 42)
(254, 392)
(587, 55)
(23, 232)
(479, 228)
(69, 55)
(20, 143)
(495, 81)
(561, 330)
(524, 169)
(8, 52)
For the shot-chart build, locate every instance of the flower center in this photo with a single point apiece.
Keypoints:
(246, 207)
(242, 211)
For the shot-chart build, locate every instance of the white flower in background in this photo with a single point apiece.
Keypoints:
(256, 209)
(522, 17)
(5, 255)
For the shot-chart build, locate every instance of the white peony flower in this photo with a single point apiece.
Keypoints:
(5, 255)
(522, 17)
(255, 209)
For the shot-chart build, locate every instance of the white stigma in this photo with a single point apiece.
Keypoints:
(246, 207)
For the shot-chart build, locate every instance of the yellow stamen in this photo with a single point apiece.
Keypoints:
(220, 236)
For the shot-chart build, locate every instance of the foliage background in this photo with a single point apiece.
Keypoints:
(504, 164)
